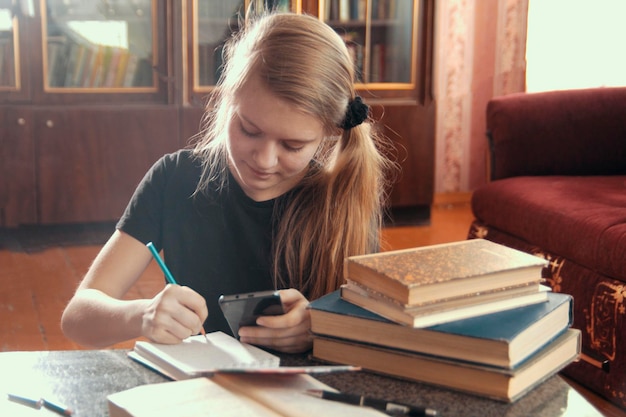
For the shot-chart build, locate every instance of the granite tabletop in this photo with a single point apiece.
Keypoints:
(83, 379)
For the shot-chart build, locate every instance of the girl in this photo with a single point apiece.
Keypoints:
(286, 181)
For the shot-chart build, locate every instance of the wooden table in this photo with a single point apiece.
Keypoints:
(82, 379)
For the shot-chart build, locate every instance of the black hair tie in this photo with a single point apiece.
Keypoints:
(356, 113)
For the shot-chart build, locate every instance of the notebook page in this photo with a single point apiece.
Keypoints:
(195, 354)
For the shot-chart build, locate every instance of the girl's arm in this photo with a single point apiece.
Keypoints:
(97, 316)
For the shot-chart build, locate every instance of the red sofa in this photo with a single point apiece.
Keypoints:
(558, 190)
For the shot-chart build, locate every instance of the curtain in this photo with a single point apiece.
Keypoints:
(480, 49)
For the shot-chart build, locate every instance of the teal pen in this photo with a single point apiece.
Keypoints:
(168, 275)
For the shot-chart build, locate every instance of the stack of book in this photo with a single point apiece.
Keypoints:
(471, 316)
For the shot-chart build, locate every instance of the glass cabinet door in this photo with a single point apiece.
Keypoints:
(9, 47)
(380, 35)
(214, 21)
(99, 45)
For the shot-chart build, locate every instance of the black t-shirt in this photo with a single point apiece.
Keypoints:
(216, 243)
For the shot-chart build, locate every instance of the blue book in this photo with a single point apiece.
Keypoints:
(498, 383)
(504, 339)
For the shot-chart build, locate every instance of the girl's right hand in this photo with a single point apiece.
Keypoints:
(174, 314)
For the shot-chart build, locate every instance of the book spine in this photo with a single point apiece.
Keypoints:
(131, 68)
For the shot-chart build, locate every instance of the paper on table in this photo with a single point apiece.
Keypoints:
(233, 395)
(190, 398)
(286, 395)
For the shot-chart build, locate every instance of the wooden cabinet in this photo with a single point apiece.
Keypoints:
(93, 92)
(87, 171)
(87, 106)
(17, 168)
(78, 164)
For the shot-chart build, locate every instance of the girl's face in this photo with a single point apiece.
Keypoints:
(270, 143)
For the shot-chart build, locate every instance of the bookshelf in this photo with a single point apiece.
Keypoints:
(380, 36)
(104, 51)
(391, 43)
(107, 45)
(92, 109)
(94, 91)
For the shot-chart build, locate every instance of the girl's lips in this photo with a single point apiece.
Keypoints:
(260, 174)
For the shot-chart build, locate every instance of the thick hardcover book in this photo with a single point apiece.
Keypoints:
(434, 273)
(233, 395)
(448, 310)
(497, 383)
(195, 356)
(504, 339)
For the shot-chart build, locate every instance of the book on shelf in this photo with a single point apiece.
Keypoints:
(93, 71)
(378, 63)
(110, 71)
(504, 339)
(358, 9)
(73, 56)
(332, 10)
(438, 272)
(195, 356)
(383, 9)
(233, 395)
(344, 10)
(502, 384)
(132, 63)
(107, 59)
(120, 73)
(430, 314)
(355, 49)
(82, 69)
(56, 46)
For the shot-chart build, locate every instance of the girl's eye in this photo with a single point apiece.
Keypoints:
(293, 148)
(247, 132)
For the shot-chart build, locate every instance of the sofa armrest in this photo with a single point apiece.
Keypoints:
(571, 132)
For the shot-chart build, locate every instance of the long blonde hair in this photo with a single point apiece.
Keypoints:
(338, 207)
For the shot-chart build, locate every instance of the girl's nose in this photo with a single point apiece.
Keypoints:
(266, 155)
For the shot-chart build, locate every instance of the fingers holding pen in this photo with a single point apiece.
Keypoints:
(194, 302)
(169, 317)
(173, 314)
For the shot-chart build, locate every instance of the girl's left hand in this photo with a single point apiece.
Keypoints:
(289, 332)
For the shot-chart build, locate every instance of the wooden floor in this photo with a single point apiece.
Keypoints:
(38, 278)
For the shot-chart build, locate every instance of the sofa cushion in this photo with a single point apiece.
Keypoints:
(568, 132)
(579, 218)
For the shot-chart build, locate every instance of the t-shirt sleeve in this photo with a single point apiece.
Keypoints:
(142, 218)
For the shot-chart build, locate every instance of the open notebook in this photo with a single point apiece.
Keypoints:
(195, 356)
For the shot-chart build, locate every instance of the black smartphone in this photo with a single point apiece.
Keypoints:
(243, 309)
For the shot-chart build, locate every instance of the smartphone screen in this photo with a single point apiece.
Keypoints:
(243, 309)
